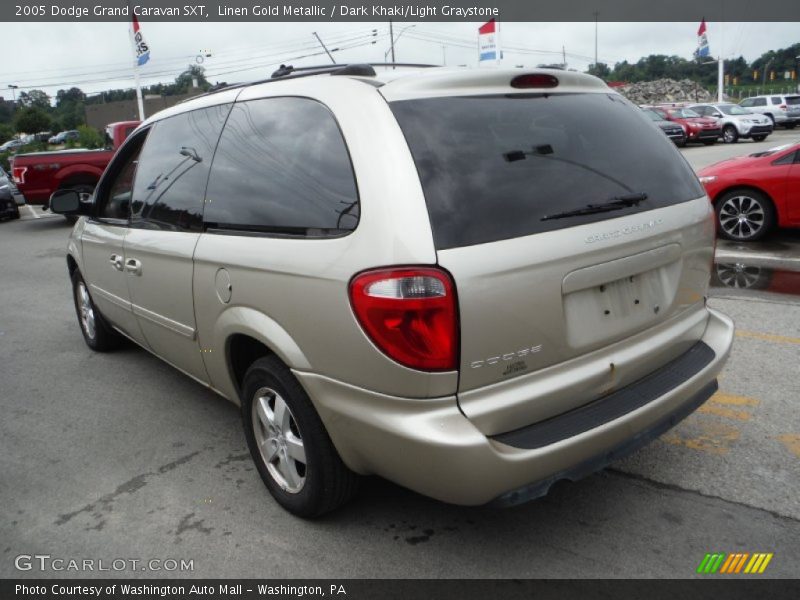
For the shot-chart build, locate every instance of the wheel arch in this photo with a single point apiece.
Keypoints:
(750, 187)
(247, 335)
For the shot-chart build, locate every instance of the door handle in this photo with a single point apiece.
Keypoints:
(134, 266)
(116, 261)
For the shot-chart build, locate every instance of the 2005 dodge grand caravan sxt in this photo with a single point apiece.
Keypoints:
(472, 283)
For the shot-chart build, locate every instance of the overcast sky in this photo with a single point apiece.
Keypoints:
(97, 56)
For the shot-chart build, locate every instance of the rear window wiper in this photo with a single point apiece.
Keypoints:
(615, 203)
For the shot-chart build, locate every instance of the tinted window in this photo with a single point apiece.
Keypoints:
(788, 159)
(793, 100)
(114, 192)
(282, 167)
(173, 169)
(759, 102)
(494, 167)
(776, 99)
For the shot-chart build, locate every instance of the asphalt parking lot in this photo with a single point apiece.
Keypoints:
(106, 456)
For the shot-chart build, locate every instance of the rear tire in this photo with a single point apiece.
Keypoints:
(289, 444)
(744, 215)
(97, 333)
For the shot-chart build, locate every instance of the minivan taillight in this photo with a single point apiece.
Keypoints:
(410, 314)
(18, 173)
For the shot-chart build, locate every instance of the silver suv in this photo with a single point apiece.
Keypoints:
(781, 109)
(736, 122)
(473, 283)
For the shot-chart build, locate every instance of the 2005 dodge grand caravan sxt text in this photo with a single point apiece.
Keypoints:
(472, 283)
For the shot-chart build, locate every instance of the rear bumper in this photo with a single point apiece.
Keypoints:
(429, 446)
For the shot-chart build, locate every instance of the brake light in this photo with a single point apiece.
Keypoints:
(410, 314)
(18, 173)
(535, 80)
(783, 107)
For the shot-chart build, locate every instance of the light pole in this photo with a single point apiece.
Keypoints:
(797, 71)
(13, 89)
(395, 40)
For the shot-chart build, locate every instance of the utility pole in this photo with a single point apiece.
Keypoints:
(324, 47)
(596, 15)
(13, 89)
(391, 37)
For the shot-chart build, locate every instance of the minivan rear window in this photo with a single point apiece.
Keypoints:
(493, 167)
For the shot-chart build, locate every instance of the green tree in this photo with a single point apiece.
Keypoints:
(35, 98)
(89, 137)
(6, 132)
(32, 120)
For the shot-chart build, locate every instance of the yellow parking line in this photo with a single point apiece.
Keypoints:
(721, 398)
(767, 337)
(791, 441)
(710, 409)
(718, 405)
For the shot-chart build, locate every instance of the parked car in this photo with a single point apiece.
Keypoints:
(674, 131)
(6, 179)
(753, 194)
(64, 136)
(43, 136)
(11, 145)
(736, 122)
(39, 174)
(698, 129)
(781, 109)
(8, 205)
(505, 290)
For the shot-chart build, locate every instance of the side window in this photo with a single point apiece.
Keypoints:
(113, 195)
(746, 102)
(759, 101)
(282, 167)
(776, 99)
(788, 159)
(173, 170)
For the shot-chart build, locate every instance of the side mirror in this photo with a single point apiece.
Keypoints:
(67, 202)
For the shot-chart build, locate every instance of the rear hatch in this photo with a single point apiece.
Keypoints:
(793, 106)
(541, 287)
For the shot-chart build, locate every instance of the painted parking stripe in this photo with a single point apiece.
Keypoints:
(719, 404)
(32, 211)
(767, 337)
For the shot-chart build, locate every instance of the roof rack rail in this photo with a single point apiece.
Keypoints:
(290, 72)
(356, 69)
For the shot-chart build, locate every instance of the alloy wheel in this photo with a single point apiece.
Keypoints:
(737, 275)
(86, 310)
(279, 440)
(742, 217)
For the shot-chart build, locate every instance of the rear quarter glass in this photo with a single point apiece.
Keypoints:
(492, 167)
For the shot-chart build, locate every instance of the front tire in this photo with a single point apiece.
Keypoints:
(759, 138)
(97, 333)
(744, 215)
(729, 134)
(289, 444)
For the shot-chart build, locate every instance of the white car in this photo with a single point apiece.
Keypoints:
(780, 109)
(736, 122)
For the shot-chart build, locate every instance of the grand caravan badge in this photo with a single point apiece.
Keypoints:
(610, 235)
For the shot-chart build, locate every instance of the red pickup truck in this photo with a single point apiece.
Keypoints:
(39, 174)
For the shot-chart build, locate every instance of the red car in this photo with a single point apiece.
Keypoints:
(697, 128)
(754, 193)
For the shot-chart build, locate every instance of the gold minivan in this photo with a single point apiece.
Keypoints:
(473, 283)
